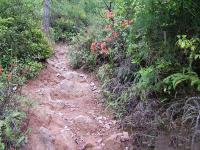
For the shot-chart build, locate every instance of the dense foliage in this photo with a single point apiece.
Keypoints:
(146, 53)
(23, 47)
(22, 41)
(12, 132)
(69, 16)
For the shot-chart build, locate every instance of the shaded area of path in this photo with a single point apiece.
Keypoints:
(67, 114)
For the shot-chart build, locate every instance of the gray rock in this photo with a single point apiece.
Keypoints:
(70, 75)
(115, 141)
(58, 75)
(46, 139)
(89, 144)
(67, 139)
(94, 88)
(85, 123)
(92, 84)
(107, 126)
(125, 137)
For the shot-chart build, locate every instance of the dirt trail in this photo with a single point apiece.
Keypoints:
(67, 114)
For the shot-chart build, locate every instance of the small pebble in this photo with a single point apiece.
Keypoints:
(92, 84)
(100, 141)
(58, 75)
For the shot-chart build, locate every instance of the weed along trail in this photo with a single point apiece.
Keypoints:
(67, 113)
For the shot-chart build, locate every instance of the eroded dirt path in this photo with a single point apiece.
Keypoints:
(67, 114)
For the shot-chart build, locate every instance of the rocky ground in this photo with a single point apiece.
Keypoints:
(67, 112)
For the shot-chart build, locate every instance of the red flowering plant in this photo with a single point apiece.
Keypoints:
(112, 32)
(110, 14)
(100, 47)
(93, 47)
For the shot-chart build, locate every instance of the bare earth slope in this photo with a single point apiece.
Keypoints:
(67, 114)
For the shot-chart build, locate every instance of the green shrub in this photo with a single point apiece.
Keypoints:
(64, 29)
(82, 58)
(20, 35)
(153, 62)
(22, 48)
(12, 133)
(33, 68)
(70, 16)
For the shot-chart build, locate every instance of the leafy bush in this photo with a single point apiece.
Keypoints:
(66, 21)
(63, 29)
(32, 68)
(21, 36)
(82, 58)
(12, 133)
(22, 48)
(80, 54)
(151, 52)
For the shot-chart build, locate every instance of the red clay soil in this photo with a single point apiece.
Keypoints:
(67, 112)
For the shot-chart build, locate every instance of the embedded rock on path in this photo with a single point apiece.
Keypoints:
(67, 114)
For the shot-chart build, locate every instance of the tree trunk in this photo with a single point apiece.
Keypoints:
(46, 21)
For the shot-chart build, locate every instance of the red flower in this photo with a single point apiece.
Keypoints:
(105, 51)
(115, 34)
(98, 44)
(104, 48)
(103, 45)
(1, 70)
(93, 46)
(109, 14)
(109, 39)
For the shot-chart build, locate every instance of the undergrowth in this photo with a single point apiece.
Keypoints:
(68, 17)
(23, 48)
(146, 54)
(13, 130)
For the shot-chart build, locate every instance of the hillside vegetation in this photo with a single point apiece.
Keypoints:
(146, 54)
(22, 48)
